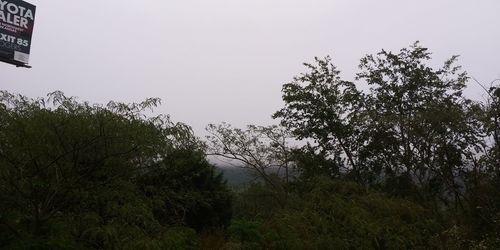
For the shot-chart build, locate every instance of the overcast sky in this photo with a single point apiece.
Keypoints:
(226, 60)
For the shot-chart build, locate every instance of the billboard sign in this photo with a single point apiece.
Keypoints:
(17, 19)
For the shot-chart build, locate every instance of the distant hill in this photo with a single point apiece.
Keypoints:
(236, 176)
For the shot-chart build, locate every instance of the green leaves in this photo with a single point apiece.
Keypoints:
(329, 214)
(320, 106)
(412, 121)
(83, 175)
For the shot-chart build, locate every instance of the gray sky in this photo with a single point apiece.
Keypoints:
(226, 60)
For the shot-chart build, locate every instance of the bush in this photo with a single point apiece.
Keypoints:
(328, 214)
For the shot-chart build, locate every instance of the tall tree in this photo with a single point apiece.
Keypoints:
(418, 121)
(413, 127)
(321, 107)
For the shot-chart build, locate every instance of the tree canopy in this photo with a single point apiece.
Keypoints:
(74, 174)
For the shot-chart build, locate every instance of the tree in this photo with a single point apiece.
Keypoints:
(321, 107)
(412, 128)
(491, 123)
(418, 123)
(262, 150)
(72, 176)
(185, 189)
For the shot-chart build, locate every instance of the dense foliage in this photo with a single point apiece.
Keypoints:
(75, 175)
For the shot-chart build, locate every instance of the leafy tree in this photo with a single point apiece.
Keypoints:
(72, 175)
(412, 129)
(320, 106)
(491, 118)
(417, 120)
(185, 188)
(310, 163)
